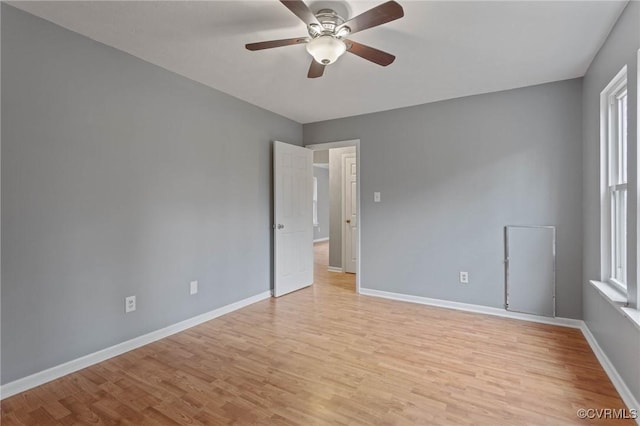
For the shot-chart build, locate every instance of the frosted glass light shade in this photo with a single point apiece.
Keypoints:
(326, 49)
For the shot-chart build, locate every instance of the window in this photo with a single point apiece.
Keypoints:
(614, 149)
(315, 201)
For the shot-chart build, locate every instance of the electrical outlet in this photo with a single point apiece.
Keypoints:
(129, 304)
(193, 287)
(464, 277)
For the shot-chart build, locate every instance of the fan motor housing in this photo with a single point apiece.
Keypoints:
(329, 21)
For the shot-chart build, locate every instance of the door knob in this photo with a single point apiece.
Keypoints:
(348, 220)
(280, 226)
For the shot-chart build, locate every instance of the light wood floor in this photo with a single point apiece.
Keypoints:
(324, 355)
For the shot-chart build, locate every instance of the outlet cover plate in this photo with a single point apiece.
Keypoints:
(129, 304)
(193, 287)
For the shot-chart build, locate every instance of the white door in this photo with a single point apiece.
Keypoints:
(293, 216)
(350, 198)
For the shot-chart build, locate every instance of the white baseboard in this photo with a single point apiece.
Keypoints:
(334, 269)
(626, 395)
(565, 322)
(319, 240)
(58, 371)
(616, 379)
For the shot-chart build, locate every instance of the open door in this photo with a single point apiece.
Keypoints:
(293, 216)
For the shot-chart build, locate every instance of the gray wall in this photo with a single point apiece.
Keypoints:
(321, 157)
(614, 333)
(322, 230)
(335, 194)
(452, 174)
(121, 178)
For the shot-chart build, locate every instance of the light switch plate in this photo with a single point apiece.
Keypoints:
(376, 197)
(193, 287)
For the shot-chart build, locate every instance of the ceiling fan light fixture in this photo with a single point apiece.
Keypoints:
(328, 34)
(326, 49)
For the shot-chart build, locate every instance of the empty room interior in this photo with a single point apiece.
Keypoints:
(320, 212)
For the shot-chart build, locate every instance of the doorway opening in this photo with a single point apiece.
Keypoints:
(336, 204)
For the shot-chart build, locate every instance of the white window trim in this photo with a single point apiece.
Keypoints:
(613, 89)
(618, 300)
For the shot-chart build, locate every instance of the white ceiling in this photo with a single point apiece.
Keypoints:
(444, 49)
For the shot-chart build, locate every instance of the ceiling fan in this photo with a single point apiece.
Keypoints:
(328, 31)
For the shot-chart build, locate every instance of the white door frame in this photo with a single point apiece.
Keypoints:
(342, 144)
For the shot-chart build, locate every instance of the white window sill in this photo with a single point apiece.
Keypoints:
(619, 301)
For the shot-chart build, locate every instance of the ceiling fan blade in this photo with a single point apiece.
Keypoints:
(386, 12)
(300, 9)
(369, 53)
(315, 70)
(275, 43)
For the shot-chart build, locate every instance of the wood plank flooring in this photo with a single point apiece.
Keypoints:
(324, 355)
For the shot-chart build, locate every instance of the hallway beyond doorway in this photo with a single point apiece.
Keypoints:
(321, 275)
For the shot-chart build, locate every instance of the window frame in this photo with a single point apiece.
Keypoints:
(614, 176)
